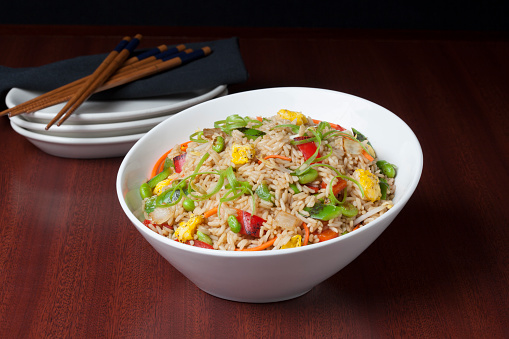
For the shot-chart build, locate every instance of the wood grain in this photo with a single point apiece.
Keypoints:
(72, 265)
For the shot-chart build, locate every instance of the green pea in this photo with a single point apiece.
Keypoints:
(204, 237)
(234, 224)
(218, 145)
(309, 176)
(145, 191)
(188, 205)
(388, 169)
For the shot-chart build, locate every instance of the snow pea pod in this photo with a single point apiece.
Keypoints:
(309, 176)
(383, 188)
(327, 212)
(204, 237)
(169, 197)
(234, 224)
(159, 177)
(324, 212)
(349, 210)
(263, 192)
(251, 133)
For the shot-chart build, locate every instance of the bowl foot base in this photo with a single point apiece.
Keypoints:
(258, 300)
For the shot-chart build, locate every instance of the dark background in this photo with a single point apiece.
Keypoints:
(489, 15)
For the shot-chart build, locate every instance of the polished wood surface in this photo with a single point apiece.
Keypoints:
(72, 265)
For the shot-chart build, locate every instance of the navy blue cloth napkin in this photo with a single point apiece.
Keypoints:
(223, 67)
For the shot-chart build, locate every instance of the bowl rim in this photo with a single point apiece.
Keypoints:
(239, 254)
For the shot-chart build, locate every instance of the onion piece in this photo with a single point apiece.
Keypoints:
(287, 220)
(209, 132)
(352, 146)
(198, 188)
(371, 212)
(160, 215)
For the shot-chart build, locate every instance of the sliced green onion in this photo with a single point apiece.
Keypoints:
(325, 156)
(200, 163)
(342, 176)
(197, 137)
(235, 121)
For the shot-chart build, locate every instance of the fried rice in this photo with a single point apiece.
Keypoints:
(276, 161)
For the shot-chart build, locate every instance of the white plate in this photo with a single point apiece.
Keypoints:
(90, 131)
(105, 111)
(80, 148)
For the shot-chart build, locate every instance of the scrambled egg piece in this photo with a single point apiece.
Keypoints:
(370, 184)
(162, 184)
(291, 115)
(241, 154)
(186, 230)
(295, 241)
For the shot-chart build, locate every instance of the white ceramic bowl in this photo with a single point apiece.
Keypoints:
(269, 276)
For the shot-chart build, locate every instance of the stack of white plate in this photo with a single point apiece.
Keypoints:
(100, 129)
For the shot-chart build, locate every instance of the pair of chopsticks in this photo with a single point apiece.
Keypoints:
(117, 69)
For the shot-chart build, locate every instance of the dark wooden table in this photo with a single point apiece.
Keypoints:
(72, 265)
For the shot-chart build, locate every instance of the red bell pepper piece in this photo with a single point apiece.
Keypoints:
(179, 161)
(198, 243)
(307, 148)
(337, 188)
(250, 224)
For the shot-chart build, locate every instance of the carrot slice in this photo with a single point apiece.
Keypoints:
(260, 119)
(367, 155)
(157, 167)
(261, 247)
(306, 236)
(210, 213)
(183, 147)
(277, 157)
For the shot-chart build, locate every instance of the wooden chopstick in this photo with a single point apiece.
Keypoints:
(158, 65)
(49, 98)
(112, 62)
(146, 59)
(149, 53)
